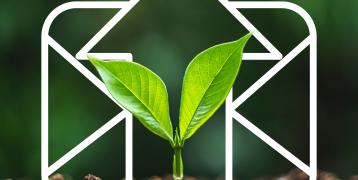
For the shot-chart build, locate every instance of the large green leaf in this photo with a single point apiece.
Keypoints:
(207, 81)
(140, 91)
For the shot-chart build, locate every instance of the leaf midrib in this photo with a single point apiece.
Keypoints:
(149, 109)
(186, 129)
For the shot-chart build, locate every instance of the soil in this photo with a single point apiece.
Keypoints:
(294, 174)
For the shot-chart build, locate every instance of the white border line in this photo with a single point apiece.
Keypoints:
(270, 73)
(81, 68)
(85, 143)
(125, 7)
(232, 6)
(273, 54)
(269, 141)
(46, 40)
(90, 139)
(82, 54)
(229, 126)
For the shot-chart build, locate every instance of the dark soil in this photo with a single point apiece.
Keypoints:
(295, 174)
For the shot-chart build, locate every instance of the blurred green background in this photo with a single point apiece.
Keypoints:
(165, 35)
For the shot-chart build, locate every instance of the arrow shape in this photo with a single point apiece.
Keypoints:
(273, 53)
(125, 7)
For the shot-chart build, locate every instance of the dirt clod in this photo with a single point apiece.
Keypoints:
(297, 174)
(322, 175)
(91, 177)
(57, 177)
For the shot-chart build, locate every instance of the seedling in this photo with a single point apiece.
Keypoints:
(207, 81)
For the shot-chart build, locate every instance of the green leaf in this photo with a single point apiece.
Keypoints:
(207, 81)
(140, 91)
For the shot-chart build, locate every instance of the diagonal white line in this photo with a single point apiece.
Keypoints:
(90, 76)
(272, 143)
(269, 74)
(256, 33)
(99, 4)
(274, 53)
(88, 141)
(105, 29)
(81, 68)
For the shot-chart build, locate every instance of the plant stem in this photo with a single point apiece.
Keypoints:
(177, 165)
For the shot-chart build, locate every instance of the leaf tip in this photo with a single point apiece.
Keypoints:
(246, 37)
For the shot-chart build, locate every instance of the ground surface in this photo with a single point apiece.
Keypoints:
(292, 175)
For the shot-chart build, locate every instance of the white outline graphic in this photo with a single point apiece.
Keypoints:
(231, 104)
(46, 41)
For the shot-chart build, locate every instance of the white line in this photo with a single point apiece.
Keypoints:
(228, 138)
(85, 143)
(90, 76)
(45, 42)
(44, 109)
(105, 29)
(269, 74)
(268, 140)
(108, 56)
(129, 146)
(262, 56)
(260, 4)
(276, 55)
(273, 5)
(313, 64)
(254, 4)
(101, 5)
(313, 107)
(84, 71)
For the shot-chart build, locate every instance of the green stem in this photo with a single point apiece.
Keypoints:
(177, 165)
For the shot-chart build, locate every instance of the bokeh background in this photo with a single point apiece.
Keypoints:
(165, 35)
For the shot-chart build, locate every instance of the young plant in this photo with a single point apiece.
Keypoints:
(207, 81)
